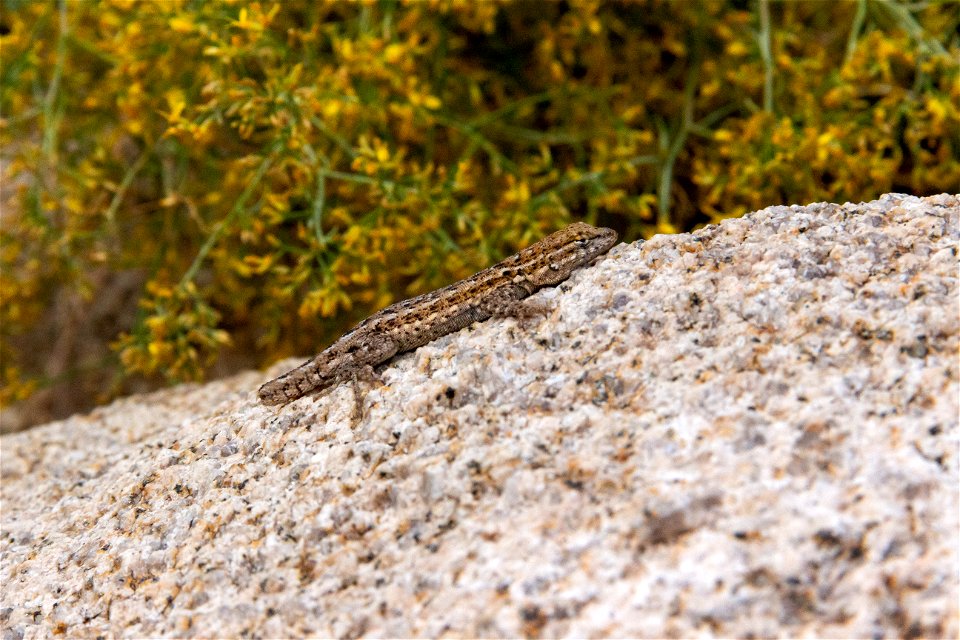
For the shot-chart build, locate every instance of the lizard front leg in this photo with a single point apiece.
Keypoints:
(510, 301)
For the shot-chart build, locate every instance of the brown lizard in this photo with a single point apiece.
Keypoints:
(404, 326)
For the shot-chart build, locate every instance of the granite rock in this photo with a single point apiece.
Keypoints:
(747, 430)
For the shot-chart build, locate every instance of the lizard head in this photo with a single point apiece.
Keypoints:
(552, 259)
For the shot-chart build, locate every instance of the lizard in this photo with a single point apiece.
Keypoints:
(496, 291)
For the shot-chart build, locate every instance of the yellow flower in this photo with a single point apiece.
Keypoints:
(243, 21)
(394, 53)
(258, 264)
(723, 135)
(177, 103)
(737, 49)
(181, 23)
(939, 109)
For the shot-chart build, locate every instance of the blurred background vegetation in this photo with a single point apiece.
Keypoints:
(190, 188)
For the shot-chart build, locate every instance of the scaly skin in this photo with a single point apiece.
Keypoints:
(406, 325)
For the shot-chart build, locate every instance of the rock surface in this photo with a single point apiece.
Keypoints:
(747, 430)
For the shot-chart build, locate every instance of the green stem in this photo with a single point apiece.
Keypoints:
(666, 175)
(355, 177)
(238, 206)
(49, 101)
(474, 136)
(338, 140)
(507, 108)
(855, 29)
(51, 119)
(128, 177)
(901, 16)
(763, 39)
(563, 185)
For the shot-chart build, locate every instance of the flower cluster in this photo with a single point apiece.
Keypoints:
(267, 173)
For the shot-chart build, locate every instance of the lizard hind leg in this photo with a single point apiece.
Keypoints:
(334, 365)
(363, 374)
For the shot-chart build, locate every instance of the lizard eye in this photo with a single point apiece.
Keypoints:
(582, 242)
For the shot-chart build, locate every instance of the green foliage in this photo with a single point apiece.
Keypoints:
(271, 172)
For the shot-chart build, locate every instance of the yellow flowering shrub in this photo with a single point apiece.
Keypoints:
(183, 181)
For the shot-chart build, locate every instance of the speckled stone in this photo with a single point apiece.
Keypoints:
(747, 430)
